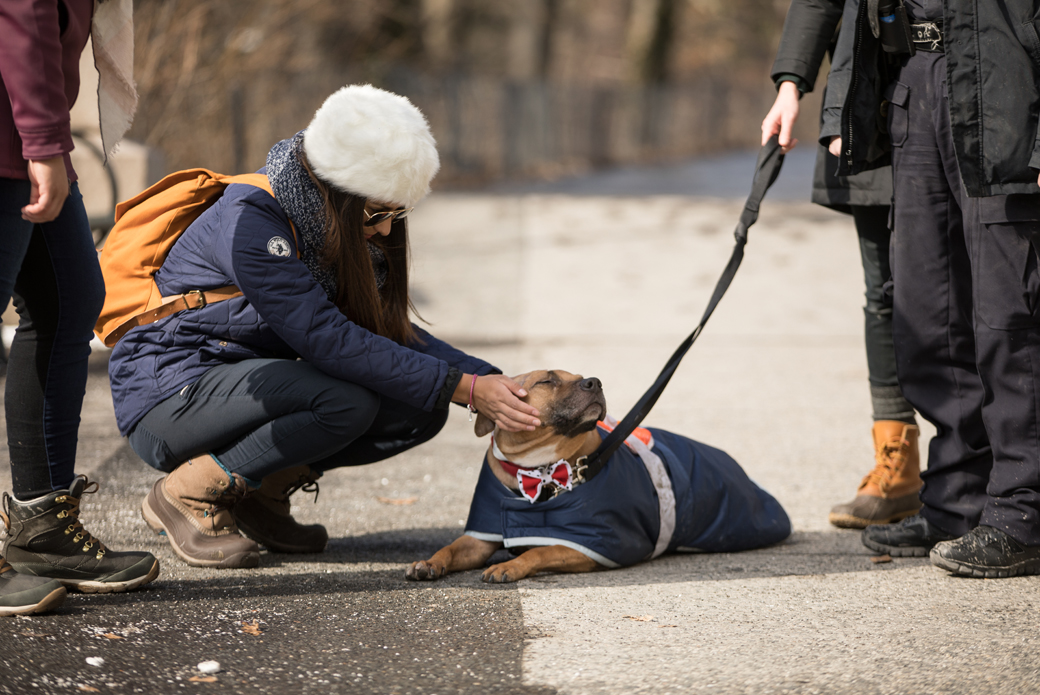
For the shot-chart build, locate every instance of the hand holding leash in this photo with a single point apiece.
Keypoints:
(781, 118)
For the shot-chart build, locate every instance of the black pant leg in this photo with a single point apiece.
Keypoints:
(397, 427)
(1003, 233)
(58, 294)
(257, 417)
(932, 304)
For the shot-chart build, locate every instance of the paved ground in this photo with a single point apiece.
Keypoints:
(605, 286)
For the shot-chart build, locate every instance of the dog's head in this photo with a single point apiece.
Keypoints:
(569, 406)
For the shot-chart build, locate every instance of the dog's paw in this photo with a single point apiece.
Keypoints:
(424, 570)
(499, 574)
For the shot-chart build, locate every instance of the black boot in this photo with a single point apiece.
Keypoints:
(46, 538)
(986, 552)
(911, 537)
(24, 594)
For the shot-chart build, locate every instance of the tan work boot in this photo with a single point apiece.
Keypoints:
(265, 515)
(192, 507)
(889, 492)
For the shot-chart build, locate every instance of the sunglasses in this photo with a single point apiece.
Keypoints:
(371, 220)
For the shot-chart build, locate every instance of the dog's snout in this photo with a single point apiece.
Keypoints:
(591, 384)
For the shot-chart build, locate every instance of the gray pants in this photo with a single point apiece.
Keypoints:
(261, 416)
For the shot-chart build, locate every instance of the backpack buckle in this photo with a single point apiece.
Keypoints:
(200, 298)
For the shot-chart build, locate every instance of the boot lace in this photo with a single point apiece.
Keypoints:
(305, 485)
(889, 461)
(5, 567)
(89, 488)
(235, 493)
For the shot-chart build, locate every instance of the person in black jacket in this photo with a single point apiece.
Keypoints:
(958, 117)
(889, 492)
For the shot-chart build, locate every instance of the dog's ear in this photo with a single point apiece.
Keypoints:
(483, 425)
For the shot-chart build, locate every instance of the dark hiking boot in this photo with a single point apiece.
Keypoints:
(192, 507)
(889, 492)
(265, 515)
(912, 537)
(24, 594)
(47, 539)
(986, 552)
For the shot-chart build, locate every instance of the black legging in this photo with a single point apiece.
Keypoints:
(874, 242)
(260, 416)
(58, 293)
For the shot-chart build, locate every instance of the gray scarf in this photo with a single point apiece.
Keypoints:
(301, 200)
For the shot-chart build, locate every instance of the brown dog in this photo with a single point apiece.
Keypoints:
(659, 493)
(569, 408)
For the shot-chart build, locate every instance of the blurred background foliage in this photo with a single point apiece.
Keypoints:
(512, 88)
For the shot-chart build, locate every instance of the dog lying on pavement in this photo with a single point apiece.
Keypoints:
(660, 493)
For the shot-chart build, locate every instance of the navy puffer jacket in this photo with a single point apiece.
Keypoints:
(284, 313)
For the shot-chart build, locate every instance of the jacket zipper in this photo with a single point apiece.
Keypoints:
(856, 47)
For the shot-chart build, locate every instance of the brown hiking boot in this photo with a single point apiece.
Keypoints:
(265, 515)
(192, 507)
(889, 492)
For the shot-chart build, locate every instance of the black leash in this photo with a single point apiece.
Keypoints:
(768, 168)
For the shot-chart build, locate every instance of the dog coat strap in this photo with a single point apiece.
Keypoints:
(609, 422)
(640, 442)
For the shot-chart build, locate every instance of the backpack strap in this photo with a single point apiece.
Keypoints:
(196, 299)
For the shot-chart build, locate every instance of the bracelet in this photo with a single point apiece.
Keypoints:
(470, 406)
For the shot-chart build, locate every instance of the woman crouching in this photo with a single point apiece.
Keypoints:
(317, 364)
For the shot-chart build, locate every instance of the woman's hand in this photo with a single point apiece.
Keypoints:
(497, 397)
(835, 146)
(49, 187)
(782, 117)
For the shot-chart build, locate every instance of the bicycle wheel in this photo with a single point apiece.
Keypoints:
(98, 185)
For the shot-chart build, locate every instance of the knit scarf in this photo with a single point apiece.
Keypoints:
(302, 202)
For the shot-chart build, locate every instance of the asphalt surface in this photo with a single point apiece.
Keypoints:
(344, 620)
(604, 285)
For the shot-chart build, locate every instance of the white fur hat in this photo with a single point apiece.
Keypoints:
(372, 143)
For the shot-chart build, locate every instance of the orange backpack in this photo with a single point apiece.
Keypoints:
(146, 228)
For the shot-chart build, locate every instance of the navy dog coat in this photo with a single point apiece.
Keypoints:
(675, 495)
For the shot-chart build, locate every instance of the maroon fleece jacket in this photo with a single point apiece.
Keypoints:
(40, 45)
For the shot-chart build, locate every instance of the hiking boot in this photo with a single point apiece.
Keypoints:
(47, 539)
(889, 492)
(986, 552)
(911, 537)
(23, 594)
(192, 507)
(265, 515)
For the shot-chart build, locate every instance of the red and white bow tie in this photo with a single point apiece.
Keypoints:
(533, 480)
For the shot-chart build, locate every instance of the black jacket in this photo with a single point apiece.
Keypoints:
(809, 32)
(993, 79)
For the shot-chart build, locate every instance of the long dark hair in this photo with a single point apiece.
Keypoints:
(384, 312)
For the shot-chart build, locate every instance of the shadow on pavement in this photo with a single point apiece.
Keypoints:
(804, 554)
(810, 553)
(286, 634)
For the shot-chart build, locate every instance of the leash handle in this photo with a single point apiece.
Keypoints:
(770, 159)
